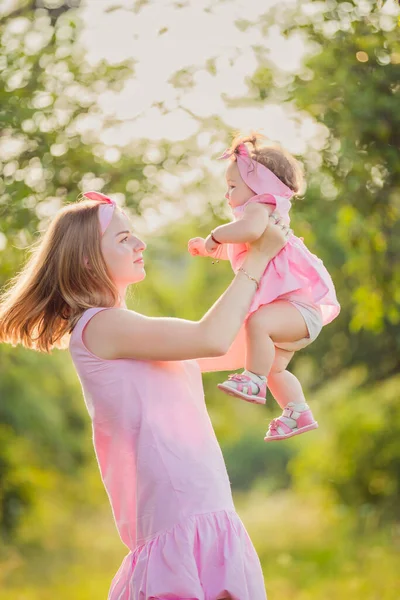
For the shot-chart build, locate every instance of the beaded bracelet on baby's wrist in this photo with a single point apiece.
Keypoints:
(213, 239)
(215, 242)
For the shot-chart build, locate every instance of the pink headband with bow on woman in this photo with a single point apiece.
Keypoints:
(106, 208)
(257, 177)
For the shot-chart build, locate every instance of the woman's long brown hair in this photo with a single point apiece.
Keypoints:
(65, 274)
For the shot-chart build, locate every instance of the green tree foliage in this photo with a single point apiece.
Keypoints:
(322, 486)
(46, 87)
(350, 84)
(357, 456)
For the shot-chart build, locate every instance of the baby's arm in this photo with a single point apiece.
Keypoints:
(220, 253)
(196, 247)
(249, 228)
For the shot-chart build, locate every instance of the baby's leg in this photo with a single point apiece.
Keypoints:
(277, 322)
(282, 322)
(286, 388)
(283, 385)
(296, 415)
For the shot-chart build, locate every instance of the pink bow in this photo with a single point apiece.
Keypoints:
(274, 424)
(106, 208)
(240, 150)
(256, 176)
(237, 377)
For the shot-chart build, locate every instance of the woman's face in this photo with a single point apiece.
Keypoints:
(238, 192)
(123, 251)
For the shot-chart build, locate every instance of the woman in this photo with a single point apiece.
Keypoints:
(158, 455)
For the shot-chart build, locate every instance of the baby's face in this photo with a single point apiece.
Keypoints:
(238, 192)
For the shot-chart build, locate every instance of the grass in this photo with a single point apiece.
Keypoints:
(305, 546)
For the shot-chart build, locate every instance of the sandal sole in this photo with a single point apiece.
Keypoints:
(253, 399)
(276, 438)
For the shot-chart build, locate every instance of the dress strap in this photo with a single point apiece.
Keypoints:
(283, 205)
(258, 199)
(76, 343)
(261, 199)
(85, 318)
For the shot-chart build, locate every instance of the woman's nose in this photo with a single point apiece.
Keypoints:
(139, 246)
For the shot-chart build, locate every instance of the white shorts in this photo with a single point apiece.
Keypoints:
(313, 319)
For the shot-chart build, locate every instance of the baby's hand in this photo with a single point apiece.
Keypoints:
(196, 246)
(210, 245)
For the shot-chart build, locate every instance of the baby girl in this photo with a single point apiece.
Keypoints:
(295, 296)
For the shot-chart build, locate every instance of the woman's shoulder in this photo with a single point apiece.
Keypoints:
(89, 329)
(89, 313)
(97, 322)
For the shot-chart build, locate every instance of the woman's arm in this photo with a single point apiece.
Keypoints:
(235, 357)
(121, 333)
(248, 228)
(231, 361)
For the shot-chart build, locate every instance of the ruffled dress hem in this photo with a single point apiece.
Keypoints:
(205, 557)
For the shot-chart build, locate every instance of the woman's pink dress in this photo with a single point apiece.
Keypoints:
(294, 268)
(166, 480)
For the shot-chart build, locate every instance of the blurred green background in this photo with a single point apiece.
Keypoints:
(323, 510)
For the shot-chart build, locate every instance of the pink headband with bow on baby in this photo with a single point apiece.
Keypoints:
(256, 176)
(106, 208)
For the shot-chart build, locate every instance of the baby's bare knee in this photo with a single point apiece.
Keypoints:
(257, 322)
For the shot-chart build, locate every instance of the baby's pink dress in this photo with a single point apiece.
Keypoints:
(294, 269)
(166, 480)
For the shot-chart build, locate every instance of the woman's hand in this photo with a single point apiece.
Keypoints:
(273, 239)
(267, 246)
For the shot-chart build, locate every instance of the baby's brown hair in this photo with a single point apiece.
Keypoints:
(274, 157)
